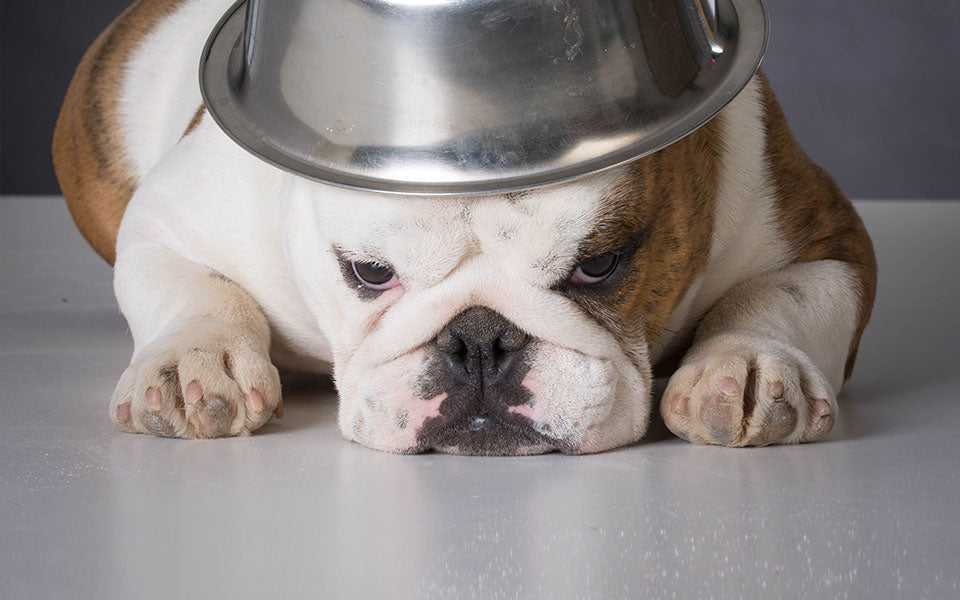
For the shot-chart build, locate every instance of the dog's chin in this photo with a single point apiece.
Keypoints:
(493, 450)
(483, 436)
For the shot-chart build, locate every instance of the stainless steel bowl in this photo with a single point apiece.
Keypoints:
(472, 96)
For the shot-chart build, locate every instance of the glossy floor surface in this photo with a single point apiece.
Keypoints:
(295, 511)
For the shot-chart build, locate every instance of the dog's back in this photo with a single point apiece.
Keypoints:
(133, 96)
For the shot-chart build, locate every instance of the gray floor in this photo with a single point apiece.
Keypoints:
(87, 512)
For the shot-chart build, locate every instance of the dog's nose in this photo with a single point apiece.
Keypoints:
(480, 344)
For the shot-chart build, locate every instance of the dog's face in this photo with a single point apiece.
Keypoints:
(510, 324)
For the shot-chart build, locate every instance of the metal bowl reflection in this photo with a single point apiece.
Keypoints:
(472, 96)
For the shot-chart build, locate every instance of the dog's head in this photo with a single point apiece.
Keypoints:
(509, 324)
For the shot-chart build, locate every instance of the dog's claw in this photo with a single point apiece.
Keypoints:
(123, 413)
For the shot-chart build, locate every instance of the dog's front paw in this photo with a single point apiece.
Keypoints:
(204, 382)
(736, 390)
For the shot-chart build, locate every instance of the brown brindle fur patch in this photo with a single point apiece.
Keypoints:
(816, 219)
(88, 147)
(195, 120)
(669, 199)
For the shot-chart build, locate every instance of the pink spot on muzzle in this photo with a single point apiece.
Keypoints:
(531, 381)
(534, 409)
(421, 410)
(524, 410)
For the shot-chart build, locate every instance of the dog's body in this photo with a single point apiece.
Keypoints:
(730, 250)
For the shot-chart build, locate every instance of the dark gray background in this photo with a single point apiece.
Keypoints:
(870, 87)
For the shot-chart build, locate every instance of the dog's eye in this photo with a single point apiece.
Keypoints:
(374, 275)
(596, 269)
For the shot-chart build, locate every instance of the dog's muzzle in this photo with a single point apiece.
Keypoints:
(482, 362)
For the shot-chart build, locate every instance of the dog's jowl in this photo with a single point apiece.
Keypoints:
(503, 324)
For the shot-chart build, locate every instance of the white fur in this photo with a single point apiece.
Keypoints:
(159, 96)
(820, 322)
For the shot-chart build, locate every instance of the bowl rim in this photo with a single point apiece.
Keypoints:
(752, 16)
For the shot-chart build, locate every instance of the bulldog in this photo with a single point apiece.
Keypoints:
(516, 323)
